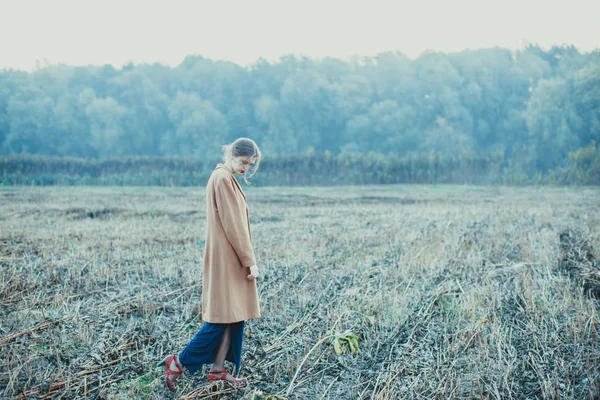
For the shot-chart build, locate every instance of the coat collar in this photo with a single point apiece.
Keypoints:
(225, 167)
(236, 183)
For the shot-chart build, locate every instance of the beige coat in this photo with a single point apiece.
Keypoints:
(227, 295)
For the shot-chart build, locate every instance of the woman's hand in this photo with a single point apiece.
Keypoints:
(254, 273)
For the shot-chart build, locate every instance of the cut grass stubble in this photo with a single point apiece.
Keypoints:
(449, 293)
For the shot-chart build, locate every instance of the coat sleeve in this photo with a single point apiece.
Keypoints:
(233, 219)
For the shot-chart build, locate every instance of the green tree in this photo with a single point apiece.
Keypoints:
(550, 132)
(199, 128)
(586, 103)
(29, 114)
(107, 121)
(147, 109)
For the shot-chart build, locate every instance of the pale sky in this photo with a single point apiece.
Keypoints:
(82, 32)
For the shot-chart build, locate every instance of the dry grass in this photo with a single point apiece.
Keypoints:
(454, 292)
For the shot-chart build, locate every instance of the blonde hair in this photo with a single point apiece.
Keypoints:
(243, 147)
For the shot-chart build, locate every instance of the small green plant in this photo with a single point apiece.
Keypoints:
(42, 347)
(344, 342)
(259, 395)
(141, 386)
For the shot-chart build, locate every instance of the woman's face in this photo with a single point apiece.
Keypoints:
(242, 164)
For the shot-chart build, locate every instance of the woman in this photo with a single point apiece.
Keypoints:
(229, 295)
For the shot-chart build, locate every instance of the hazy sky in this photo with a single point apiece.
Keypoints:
(82, 32)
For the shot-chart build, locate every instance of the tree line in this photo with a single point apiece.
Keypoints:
(311, 168)
(534, 112)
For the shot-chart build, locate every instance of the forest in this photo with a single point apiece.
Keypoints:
(532, 114)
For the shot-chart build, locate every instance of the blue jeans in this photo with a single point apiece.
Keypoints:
(202, 349)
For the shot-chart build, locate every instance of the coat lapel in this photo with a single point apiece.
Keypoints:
(237, 184)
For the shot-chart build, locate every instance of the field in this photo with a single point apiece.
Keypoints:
(448, 291)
